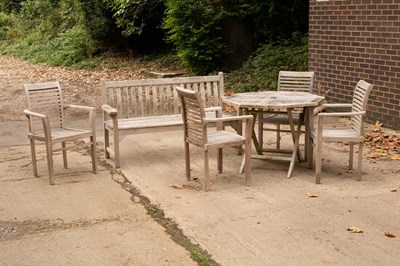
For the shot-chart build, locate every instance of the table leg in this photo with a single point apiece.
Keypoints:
(296, 137)
(253, 132)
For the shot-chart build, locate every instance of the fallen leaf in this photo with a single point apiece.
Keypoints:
(355, 229)
(289, 227)
(390, 234)
(395, 158)
(312, 195)
(393, 190)
(178, 186)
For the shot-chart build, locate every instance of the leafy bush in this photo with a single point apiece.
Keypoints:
(193, 27)
(260, 71)
(4, 25)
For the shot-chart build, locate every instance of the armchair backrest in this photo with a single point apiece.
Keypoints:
(192, 114)
(45, 98)
(359, 104)
(296, 81)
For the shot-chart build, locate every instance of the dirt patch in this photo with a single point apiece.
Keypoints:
(79, 86)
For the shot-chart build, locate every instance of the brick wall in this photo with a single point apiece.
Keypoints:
(351, 40)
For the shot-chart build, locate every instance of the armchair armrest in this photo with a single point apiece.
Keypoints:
(341, 114)
(45, 122)
(337, 105)
(30, 113)
(227, 119)
(109, 110)
(91, 110)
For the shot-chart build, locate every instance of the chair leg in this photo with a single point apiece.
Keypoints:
(49, 154)
(33, 153)
(64, 153)
(310, 159)
(93, 150)
(187, 160)
(351, 152)
(318, 159)
(278, 136)
(247, 162)
(260, 129)
(359, 168)
(207, 171)
(220, 158)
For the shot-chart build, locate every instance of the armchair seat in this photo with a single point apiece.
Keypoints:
(61, 134)
(338, 134)
(220, 138)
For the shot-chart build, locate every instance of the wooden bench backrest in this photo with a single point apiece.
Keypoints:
(154, 97)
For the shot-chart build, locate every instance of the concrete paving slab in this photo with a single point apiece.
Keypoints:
(84, 219)
(273, 222)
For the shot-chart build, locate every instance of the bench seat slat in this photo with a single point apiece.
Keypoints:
(147, 122)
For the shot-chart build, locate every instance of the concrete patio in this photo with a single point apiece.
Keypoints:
(273, 222)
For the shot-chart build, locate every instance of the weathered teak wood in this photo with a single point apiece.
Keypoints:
(287, 81)
(150, 103)
(45, 115)
(196, 132)
(353, 134)
(256, 102)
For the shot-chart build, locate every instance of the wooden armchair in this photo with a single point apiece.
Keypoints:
(46, 123)
(287, 81)
(196, 133)
(353, 134)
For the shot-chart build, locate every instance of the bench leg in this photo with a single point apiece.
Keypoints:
(116, 148)
(106, 143)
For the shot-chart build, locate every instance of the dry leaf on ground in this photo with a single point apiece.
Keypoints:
(355, 229)
(178, 186)
(393, 190)
(312, 195)
(390, 234)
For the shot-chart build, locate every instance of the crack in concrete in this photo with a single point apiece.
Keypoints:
(13, 230)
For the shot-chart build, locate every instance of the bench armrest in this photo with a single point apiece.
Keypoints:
(80, 107)
(109, 110)
(211, 109)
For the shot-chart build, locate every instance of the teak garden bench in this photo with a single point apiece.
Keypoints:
(131, 105)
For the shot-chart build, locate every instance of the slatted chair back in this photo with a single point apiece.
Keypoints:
(154, 97)
(45, 98)
(360, 100)
(301, 81)
(193, 114)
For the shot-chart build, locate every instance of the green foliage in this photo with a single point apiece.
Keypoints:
(193, 27)
(133, 16)
(9, 6)
(97, 19)
(260, 71)
(272, 19)
(4, 25)
(50, 31)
